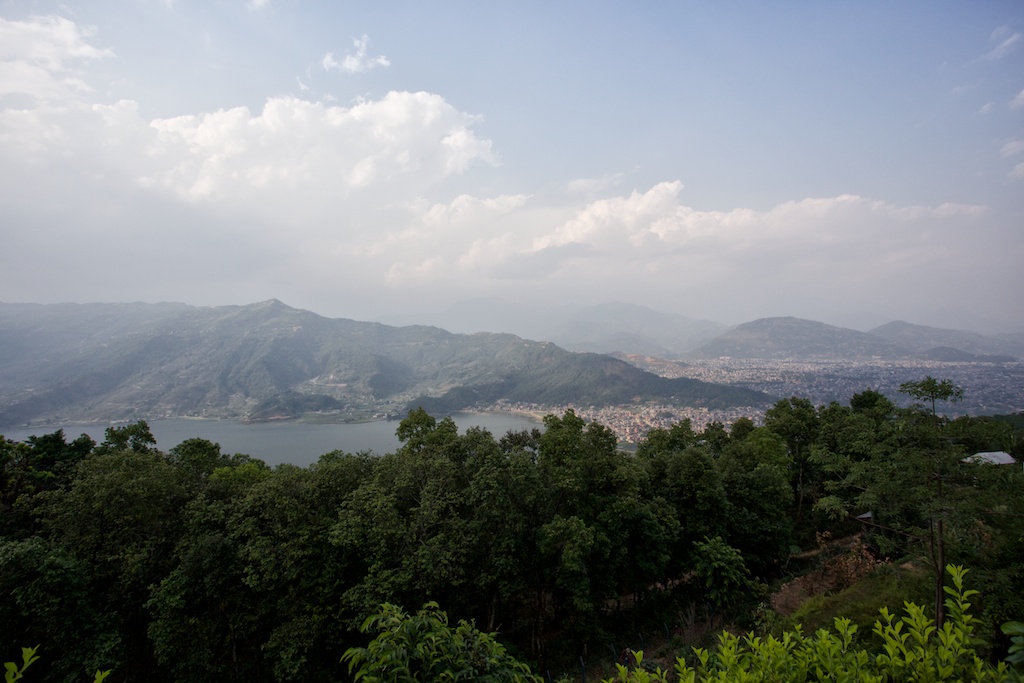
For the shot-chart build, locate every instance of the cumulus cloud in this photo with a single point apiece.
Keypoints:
(647, 243)
(297, 151)
(301, 180)
(302, 199)
(357, 61)
(656, 225)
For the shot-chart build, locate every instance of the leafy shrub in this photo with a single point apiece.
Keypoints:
(13, 672)
(423, 647)
(1015, 630)
(912, 649)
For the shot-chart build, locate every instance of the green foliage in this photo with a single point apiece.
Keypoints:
(639, 674)
(51, 594)
(1015, 630)
(39, 464)
(134, 437)
(13, 672)
(886, 585)
(424, 647)
(933, 390)
(721, 570)
(192, 565)
(912, 648)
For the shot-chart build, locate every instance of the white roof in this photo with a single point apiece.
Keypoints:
(993, 457)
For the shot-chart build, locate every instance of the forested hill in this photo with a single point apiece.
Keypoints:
(777, 338)
(796, 339)
(73, 362)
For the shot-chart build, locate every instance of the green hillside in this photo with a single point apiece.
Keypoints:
(268, 360)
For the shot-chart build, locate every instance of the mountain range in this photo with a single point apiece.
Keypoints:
(624, 328)
(600, 328)
(103, 362)
(795, 339)
(86, 362)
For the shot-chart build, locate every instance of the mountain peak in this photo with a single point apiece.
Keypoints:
(789, 337)
(268, 304)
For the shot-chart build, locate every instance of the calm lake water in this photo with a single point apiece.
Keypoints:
(284, 442)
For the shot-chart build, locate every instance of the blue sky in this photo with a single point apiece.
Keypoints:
(843, 161)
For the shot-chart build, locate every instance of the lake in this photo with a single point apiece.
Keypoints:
(284, 442)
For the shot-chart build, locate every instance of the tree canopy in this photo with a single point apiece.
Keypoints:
(195, 565)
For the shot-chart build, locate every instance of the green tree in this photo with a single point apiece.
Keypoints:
(603, 535)
(796, 421)
(131, 437)
(205, 620)
(676, 438)
(721, 571)
(741, 428)
(121, 517)
(424, 647)
(756, 477)
(39, 464)
(50, 597)
(923, 495)
(689, 483)
(407, 521)
(932, 390)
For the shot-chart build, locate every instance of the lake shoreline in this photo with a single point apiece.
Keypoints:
(280, 442)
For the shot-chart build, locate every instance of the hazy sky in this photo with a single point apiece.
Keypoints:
(724, 160)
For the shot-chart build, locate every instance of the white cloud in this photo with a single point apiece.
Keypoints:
(654, 224)
(1013, 147)
(301, 150)
(1007, 42)
(648, 242)
(592, 186)
(39, 57)
(1018, 101)
(1018, 171)
(303, 200)
(355, 62)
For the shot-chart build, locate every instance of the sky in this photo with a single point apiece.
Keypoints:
(837, 161)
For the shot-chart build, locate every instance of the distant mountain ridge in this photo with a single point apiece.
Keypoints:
(601, 328)
(82, 362)
(924, 338)
(638, 330)
(788, 338)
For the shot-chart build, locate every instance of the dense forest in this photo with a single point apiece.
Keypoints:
(196, 565)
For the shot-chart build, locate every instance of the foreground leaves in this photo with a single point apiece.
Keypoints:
(913, 649)
(423, 647)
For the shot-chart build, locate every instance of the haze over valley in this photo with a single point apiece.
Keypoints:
(69, 363)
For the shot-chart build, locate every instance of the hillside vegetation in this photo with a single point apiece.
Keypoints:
(109, 362)
(196, 565)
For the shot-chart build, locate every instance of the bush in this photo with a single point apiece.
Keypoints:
(13, 672)
(912, 650)
(423, 647)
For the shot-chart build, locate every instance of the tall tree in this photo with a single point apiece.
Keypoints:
(796, 421)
